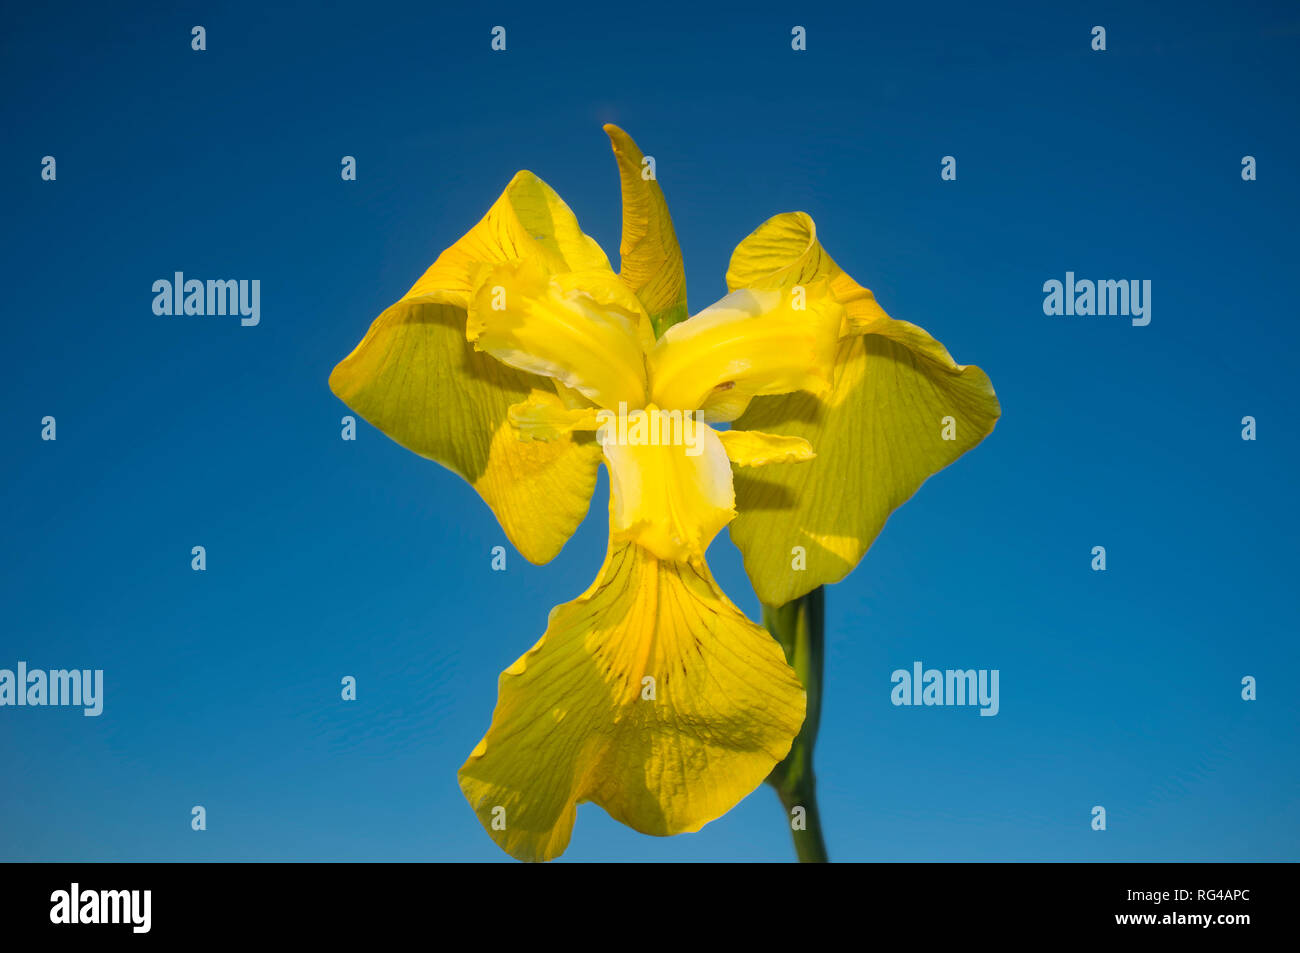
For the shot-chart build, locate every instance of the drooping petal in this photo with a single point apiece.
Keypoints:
(650, 694)
(650, 260)
(582, 328)
(747, 344)
(752, 448)
(671, 498)
(416, 378)
(901, 410)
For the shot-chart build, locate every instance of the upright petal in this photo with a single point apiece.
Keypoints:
(651, 695)
(650, 260)
(879, 433)
(416, 378)
(747, 344)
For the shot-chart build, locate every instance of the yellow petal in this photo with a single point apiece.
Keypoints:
(543, 416)
(416, 378)
(750, 448)
(747, 344)
(671, 498)
(582, 328)
(879, 435)
(575, 720)
(529, 220)
(650, 260)
(784, 252)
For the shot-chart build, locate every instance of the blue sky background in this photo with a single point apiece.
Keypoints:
(328, 558)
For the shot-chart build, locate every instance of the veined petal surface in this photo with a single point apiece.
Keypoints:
(416, 377)
(901, 409)
(651, 695)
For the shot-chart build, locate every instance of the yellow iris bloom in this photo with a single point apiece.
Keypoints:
(518, 361)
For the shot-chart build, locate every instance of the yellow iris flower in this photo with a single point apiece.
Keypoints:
(520, 360)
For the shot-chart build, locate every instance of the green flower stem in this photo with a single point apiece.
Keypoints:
(798, 626)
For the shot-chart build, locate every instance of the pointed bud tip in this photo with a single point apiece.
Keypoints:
(621, 142)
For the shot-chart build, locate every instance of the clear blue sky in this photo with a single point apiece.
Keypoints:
(328, 558)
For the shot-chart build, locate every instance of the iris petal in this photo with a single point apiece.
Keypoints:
(417, 380)
(529, 221)
(544, 416)
(901, 409)
(651, 695)
(784, 252)
(583, 329)
(650, 260)
(671, 498)
(749, 343)
(752, 448)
